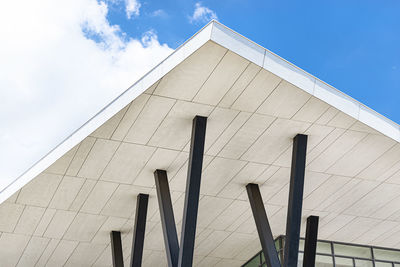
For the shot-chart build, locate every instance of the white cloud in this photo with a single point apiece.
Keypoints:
(132, 8)
(159, 13)
(202, 14)
(61, 62)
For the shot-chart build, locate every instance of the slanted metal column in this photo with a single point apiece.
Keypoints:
(310, 245)
(167, 217)
(295, 201)
(116, 249)
(190, 210)
(263, 227)
(139, 230)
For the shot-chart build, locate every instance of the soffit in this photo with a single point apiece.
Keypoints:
(65, 214)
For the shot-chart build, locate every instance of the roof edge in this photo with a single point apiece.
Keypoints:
(237, 43)
(141, 85)
(275, 64)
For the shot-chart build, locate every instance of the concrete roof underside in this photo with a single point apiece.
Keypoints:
(60, 212)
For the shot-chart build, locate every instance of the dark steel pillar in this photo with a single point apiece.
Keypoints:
(310, 244)
(263, 227)
(116, 249)
(167, 217)
(139, 230)
(295, 201)
(190, 210)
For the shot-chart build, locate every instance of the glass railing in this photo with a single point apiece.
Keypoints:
(338, 254)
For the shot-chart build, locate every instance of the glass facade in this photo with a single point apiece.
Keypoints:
(338, 254)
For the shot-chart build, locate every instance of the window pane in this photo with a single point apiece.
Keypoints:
(280, 255)
(382, 264)
(301, 245)
(283, 241)
(278, 243)
(343, 262)
(323, 261)
(320, 260)
(363, 263)
(324, 247)
(352, 251)
(255, 262)
(300, 260)
(384, 254)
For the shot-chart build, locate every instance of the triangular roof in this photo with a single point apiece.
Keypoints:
(222, 35)
(256, 102)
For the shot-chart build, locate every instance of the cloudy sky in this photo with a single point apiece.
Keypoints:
(62, 61)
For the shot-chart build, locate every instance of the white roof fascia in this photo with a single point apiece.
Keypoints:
(176, 57)
(239, 44)
(242, 46)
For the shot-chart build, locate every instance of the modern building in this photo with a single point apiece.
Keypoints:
(253, 106)
(339, 254)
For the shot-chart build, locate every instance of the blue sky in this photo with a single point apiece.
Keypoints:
(352, 45)
(63, 61)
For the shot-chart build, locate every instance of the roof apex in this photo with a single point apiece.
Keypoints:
(223, 36)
